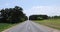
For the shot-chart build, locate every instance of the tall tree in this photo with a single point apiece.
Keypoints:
(13, 14)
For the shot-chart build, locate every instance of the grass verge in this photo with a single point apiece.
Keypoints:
(4, 26)
(53, 23)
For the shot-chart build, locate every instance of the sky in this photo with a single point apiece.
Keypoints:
(31, 7)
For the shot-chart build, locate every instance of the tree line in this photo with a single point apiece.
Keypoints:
(42, 17)
(12, 15)
(38, 17)
(54, 17)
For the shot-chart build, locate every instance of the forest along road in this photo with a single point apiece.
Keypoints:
(29, 26)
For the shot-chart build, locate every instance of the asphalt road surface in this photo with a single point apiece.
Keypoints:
(28, 26)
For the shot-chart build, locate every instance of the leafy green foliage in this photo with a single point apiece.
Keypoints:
(38, 17)
(54, 17)
(12, 15)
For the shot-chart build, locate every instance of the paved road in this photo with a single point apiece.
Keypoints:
(27, 26)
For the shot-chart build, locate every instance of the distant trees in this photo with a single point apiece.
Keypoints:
(54, 17)
(42, 17)
(38, 17)
(12, 15)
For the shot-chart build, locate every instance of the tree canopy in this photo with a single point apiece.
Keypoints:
(12, 15)
(38, 17)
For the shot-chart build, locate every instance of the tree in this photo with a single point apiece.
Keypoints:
(12, 15)
(38, 17)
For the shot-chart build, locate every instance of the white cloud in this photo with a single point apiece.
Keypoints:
(48, 10)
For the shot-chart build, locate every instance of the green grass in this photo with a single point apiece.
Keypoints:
(4, 26)
(53, 23)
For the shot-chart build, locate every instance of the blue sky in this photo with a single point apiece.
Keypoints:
(49, 7)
